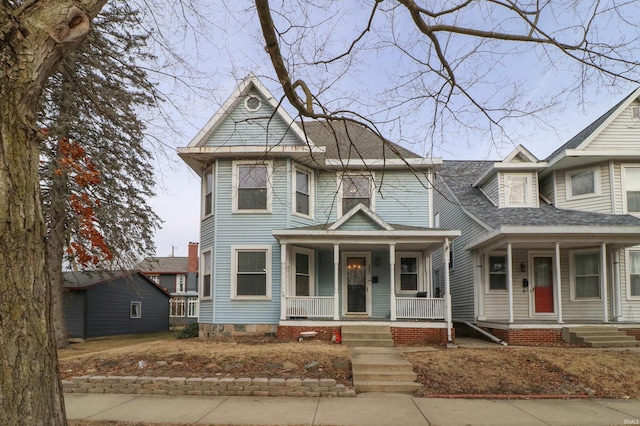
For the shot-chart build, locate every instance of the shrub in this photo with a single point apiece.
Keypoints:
(189, 332)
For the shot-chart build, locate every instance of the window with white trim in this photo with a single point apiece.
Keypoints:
(356, 189)
(518, 191)
(251, 187)
(206, 275)
(585, 274)
(633, 266)
(303, 183)
(631, 189)
(176, 307)
(155, 278)
(192, 307)
(208, 193)
(497, 272)
(436, 220)
(181, 281)
(583, 182)
(408, 272)
(135, 310)
(304, 268)
(251, 268)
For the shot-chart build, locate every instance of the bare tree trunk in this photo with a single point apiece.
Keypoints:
(33, 38)
(56, 241)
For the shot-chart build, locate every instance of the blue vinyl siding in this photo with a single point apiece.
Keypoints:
(403, 197)
(326, 197)
(380, 291)
(360, 222)
(242, 127)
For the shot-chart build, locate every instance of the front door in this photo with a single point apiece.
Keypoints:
(543, 284)
(356, 279)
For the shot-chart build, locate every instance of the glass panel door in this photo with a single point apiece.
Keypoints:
(356, 285)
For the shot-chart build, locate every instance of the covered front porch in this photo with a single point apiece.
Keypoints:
(361, 269)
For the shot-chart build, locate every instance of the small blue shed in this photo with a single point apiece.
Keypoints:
(109, 303)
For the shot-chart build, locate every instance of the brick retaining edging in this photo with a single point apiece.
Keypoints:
(208, 386)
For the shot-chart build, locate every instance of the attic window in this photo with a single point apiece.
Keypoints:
(252, 103)
(635, 112)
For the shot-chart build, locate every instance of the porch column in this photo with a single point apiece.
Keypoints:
(336, 276)
(392, 281)
(558, 295)
(478, 280)
(616, 284)
(283, 281)
(447, 287)
(509, 282)
(603, 282)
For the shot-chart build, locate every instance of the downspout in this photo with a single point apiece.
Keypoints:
(486, 334)
(214, 255)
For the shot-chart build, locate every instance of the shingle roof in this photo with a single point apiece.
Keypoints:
(349, 140)
(575, 141)
(460, 176)
(88, 278)
(163, 265)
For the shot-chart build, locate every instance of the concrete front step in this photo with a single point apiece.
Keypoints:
(346, 335)
(366, 329)
(602, 337)
(367, 336)
(368, 342)
(382, 386)
(613, 344)
(598, 337)
(384, 376)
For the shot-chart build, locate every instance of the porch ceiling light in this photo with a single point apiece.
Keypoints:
(523, 267)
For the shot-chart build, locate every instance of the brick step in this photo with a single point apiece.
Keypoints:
(383, 386)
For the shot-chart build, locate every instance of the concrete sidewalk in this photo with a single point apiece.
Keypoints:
(367, 409)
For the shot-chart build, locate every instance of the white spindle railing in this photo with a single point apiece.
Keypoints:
(309, 306)
(420, 308)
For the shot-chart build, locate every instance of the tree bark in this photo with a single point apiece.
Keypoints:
(33, 38)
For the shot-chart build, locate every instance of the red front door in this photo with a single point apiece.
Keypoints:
(543, 284)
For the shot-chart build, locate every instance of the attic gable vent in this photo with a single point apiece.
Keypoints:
(635, 112)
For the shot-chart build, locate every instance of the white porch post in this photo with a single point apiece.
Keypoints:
(392, 279)
(283, 281)
(336, 276)
(447, 287)
(603, 282)
(558, 295)
(616, 285)
(509, 282)
(478, 280)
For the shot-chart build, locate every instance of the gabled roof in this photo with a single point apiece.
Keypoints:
(460, 176)
(361, 209)
(587, 134)
(522, 153)
(164, 265)
(249, 83)
(87, 279)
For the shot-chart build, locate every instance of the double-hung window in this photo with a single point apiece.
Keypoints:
(408, 273)
(155, 278)
(356, 189)
(633, 265)
(303, 191)
(208, 193)
(585, 274)
(303, 280)
(181, 283)
(518, 190)
(192, 307)
(176, 307)
(631, 188)
(251, 268)
(251, 187)
(206, 275)
(135, 310)
(583, 183)
(497, 271)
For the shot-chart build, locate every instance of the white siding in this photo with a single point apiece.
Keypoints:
(491, 189)
(630, 307)
(546, 189)
(598, 203)
(623, 134)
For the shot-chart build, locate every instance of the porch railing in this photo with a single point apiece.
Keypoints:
(309, 306)
(420, 308)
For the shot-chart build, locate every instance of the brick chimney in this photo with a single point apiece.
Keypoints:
(192, 263)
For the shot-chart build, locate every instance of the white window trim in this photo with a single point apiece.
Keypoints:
(202, 274)
(597, 185)
(204, 193)
(372, 179)
(246, 103)
(172, 303)
(572, 275)
(139, 304)
(530, 201)
(235, 165)
(419, 262)
(155, 278)
(312, 270)
(192, 301)
(624, 189)
(436, 220)
(184, 290)
(309, 172)
(487, 275)
(628, 271)
(234, 267)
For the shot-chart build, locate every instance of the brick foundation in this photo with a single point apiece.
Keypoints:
(635, 332)
(226, 330)
(420, 336)
(528, 337)
(292, 332)
(208, 386)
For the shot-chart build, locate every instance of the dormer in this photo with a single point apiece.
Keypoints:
(513, 182)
